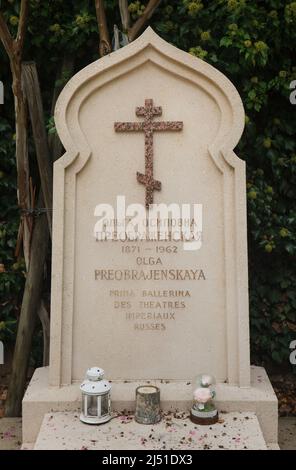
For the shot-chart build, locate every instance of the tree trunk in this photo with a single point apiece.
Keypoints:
(67, 68)
(22, 160)
(44, 318)
(34, 99)
(124, 15)
(28, 315)
(105, 44)
(142, 21)
(14, 50)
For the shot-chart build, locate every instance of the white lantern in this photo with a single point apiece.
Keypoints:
(96, 397)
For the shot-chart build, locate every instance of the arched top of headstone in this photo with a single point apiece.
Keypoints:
(149, 47)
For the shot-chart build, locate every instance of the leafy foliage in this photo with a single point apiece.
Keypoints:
(253, 43)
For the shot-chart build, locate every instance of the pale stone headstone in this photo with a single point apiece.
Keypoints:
(149, 125)
(155, 125)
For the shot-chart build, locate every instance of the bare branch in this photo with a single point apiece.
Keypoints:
(5, 36)
(15, 46)
(125, 15)
(20, 37)
(143, 19)
(105, 45)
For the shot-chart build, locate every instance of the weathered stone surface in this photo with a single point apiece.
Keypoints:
(235, 431)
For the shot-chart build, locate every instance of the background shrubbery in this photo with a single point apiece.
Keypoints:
(254, 44)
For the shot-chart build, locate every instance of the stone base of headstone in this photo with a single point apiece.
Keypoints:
(260, 398)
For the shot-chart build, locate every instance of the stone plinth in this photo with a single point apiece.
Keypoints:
(259, 399)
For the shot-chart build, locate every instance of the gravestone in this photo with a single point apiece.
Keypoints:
(150, 130)
(149, 274)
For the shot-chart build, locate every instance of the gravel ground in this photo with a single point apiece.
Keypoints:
(287, 433)
(10, 433)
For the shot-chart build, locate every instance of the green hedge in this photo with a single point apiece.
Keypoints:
(254, 44)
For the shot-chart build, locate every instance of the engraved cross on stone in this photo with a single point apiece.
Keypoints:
(148, 112)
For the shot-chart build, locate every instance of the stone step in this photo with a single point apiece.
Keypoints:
(234, 431)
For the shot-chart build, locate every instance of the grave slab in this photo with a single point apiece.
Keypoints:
(234, 431)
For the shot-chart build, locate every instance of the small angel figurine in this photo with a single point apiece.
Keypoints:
(204, 410)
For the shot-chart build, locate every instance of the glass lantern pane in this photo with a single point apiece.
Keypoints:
(105, 407)
(92, 406)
